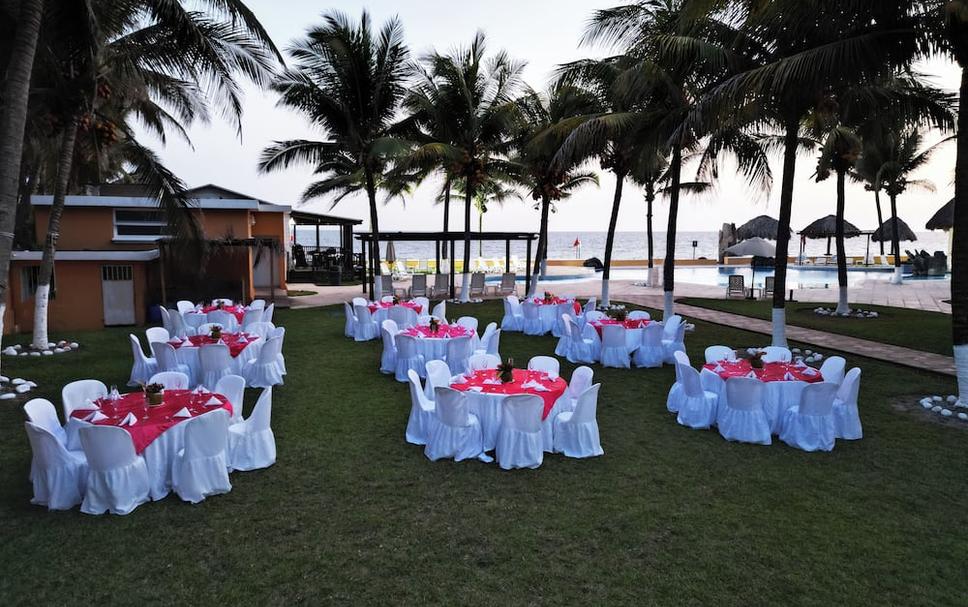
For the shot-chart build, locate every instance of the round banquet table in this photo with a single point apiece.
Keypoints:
(486, 394)
(157, 434)
(380, 310)
(433, 346)
(633, 330)
(186, 350)
(237, 311)
(548, 310)
(782, 390)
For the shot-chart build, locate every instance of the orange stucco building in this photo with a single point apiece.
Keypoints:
(110, 268)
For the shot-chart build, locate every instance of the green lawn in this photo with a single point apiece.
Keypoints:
(926, 331)
(352, 514)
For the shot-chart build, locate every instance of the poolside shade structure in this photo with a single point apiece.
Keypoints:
(826, 227)
(756, 247)
(944, 219)
(885, 233)
(763, 226)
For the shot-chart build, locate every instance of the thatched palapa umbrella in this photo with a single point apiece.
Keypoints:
(885, 233)
(763, 226)
(944, 219)
(826, 227)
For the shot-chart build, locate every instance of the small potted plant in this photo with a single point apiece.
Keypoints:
(549, 296)
(616, 312)
(396, 300)
(154, 394)
(756, 359)
(216, 333)
(434, 325)
(505, 371)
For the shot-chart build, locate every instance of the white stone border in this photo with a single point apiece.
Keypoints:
(61, 347)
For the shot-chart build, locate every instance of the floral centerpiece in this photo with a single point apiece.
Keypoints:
(549, 297)
(754, 356)
(505, 371)
(434, 325)
(218, 304)
(616, 312)
(216, 333)
(396, 300)
(154, 393)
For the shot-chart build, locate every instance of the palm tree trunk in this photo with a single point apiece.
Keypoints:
(651, 275)
(895, 242)
(375, 228)
(959, 250)
(65, 164)
(465, 280)
(783, 231)
(669, 263)
(480, 231)
(13, 120)
(443, 254)
(880, 217)
(842, 307)
(542, 246)
(610, 238)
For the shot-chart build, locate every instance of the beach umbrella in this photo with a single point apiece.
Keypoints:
(944, 219)
(756, 247)
(763, 226)
(826, 227)
(885, 233)
(391, 255)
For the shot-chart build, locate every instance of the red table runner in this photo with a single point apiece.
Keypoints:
(555, 387)
(769, 372)
(639, 323)
(229, 339)
(443, 331)
(386, 304)
(152, 421)
(237, 311)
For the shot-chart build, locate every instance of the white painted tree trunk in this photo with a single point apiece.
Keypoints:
(898, 277)
(465, 287)
(533, 287)
(544, 268)
(779, 327)
(377, 287)
(604, 291)
(668, 305)
(842, 306)
(961, 368)
(41, 307)
(3, 312)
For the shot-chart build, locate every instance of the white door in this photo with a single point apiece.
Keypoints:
(117, 289)
(262, 268)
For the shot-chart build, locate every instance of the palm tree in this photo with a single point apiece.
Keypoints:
(348, 80)
(865, 171)
(494, 191)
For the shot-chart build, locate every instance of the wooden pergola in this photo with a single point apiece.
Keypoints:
(442, 239)
(304, 218)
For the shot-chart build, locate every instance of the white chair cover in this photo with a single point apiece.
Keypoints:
(232, 387)
(593, 315)
(479, 362)
(456, 433)
(576, 432)
(578, 349)
(651, 352)
(558, 328)
(264, 371)
(201, 469)
(672, 400)
(349, 328)
(486, 338)
(226, 319)
(564, 339)
(257, 304)
(513, 319)
(711, 382)
(41, 412)
(424, 304)
(614, 351)
(403, 316)
(408, 358)
(494, 343)
(776, 354)
(280, 334)
(388, 359)
(75, 394)
(165, 318)
(171, 380)
(117, 477)
(833, 369)
(179, 327)
(674, 341)
(157, 334)
(743, 419)
(251, 317)
(267, 314)
(715, 354)
(252, 444)
(366, 327)
(422, 412)
(143, 367)
(214, 363)
(470, 323)
(592, 342)
(810, 426)
(639, 315)
(531, 322)
(438, 376)
(519, 443)
(846, 414)
(440, 312)
(696, 407)
(459, 349)
(59, 476)
(359, 301)
(184, 306)
(166, 358)
(262, 329)
(546, 364)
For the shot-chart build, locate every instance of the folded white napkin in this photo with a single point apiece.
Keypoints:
(800, 363)
(475, 389)
(751, 375)
(458, 379)
(183, 412)
(809, 371)
(129, 420)
(176, 340)
(95, 417)
(788, 376)
(213, 402)
(243, 340)
(89, 405)
(552, 376)
(492, 382)
(719, 368)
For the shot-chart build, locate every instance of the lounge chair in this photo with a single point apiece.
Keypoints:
(736, 286)
(418, 286)
(441, 286)
(477, 284)
(508, 286)
(768, 284)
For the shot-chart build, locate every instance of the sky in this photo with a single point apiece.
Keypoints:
(544, 34)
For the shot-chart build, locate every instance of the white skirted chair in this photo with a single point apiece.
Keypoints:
(223, 318)
(153, 334)
(171, 380)
(424, 304)
(470, 323)
(459, 349)
(581, 379)
(456, 433)
(257, 304)
(167, 360)
(615, 352)
(531, 323)
(564, 338)
(846, 414)
(743, 418)
(349, 327)
(673, 337)
(547, 364)
(639, 315)
(388, 358)
(485, 340)
(438, 376)
(165, 318)
(593, 315)
(440, 312)
(76, 394)
(143, 367)
(712, 382)
(366, 327)
(184, 307)
(519, 442)
(776, 354)
(41, 412)
(672, 400)
(810, 426)
(232, 387)
(423, 414)
(696, 408)
(264, 371)
(403, 316)
(201, 469)
(193, 321)
(715, 354)
(269, 311)
(576, 432)
(833, 369)
(562, 309)
(651, 352)
(513, 319)
(214, 362)
(251, 317)
(409, 358)
(262, 329)
(582, 348)
(179, 327)
(59, 476)
(480, 362)
(117, 477)
(252, 444)
(280, 334)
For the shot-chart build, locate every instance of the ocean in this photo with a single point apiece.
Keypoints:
(628, 245)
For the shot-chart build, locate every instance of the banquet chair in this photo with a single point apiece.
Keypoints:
(265, 329)
(263, 371)
(171, 380)
(833, 369)
(232, 387)
(480, 362)
(184, 307)
(388, 359)
(403, 316)
(810, 425)
(673, 338)
(167, 359)
(252, 445)
(494, 343)
(696, 408)
(226, 319)
(456, 433)
(440, 312)
(459, 349)
(776, 354)
(712, 382)
(576, 432)
(179, 327)
(143, 367)
(117, 477)
(639, 315)
(409, 357)
(76, 393)
(257, 304)
(424, 304)
(513, 319)
(615, 352)
(192, 321)
(562, 309)
(547, 364)
(651, 351)
(205, 329)
(251, 317)
(153, 334)
(519, 440)
(470, 323)
(584, 346)
(742, 418)
(359, 301)
(223, 300)
(438, 376)
(280, 334)
(593, 315)
(214, 363)
(349, 327)
(675, 392)
(422, 412)
(715, 354)
(387, 298)
(58, 476)
(269, 311)
(201, 469)
(846, 415)
(531, 319)
(41, 412)
(590, 305)
(165, 318)
(366, 327)
(485, 339)
(581, 379)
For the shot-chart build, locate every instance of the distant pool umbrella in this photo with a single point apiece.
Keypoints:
(755, 247)
(763, 226)
(391, 255)
(885, 233)
(826, 227)
(944, 219)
